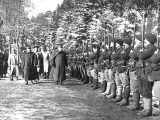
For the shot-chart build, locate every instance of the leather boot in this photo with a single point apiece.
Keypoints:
(95, 84)
(90, 80)
(113, 91)
(108, 90)
(119, 94)
(125, 101)
(104, 86)
(136, 105)
(86, 81)
(45, 75)
(147, 111)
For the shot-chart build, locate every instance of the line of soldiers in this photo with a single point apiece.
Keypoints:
(121, 69)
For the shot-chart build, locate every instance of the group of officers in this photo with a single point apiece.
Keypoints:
(38, 61)
(30, 62)
(121, 69)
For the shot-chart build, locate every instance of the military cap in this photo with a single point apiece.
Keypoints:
(95, 45)
(127, 40)
(119, 41)
(151, 38)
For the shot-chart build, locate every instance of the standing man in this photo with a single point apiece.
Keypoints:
(5, 63)
(60, 62)
(45, 54)
(22, 56)
(145, 85)
(1, 63)
(39, 60)
(30, 63)
(13, 60)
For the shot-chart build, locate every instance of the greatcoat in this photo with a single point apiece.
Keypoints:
(59, 62)
(30, 62)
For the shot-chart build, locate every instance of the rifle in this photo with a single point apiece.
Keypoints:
(158, 21)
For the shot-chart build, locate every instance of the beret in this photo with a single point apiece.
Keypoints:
(127, 40)
(151, 38)
(119, 41)
(94, 45)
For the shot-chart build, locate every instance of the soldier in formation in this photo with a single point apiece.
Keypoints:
(122, 69)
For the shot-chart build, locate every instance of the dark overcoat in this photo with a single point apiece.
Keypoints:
(52, 64)
(1, 63)
(5, 63)
(58, 66)
(30, 71)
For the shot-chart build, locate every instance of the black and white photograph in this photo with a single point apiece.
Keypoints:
(79, 59)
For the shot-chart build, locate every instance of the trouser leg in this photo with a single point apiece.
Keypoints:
(113, 91)
(104, 86)
(119, 94)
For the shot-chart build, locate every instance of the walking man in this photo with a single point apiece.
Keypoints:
(30, 63)
(59, 63)
(13, 61)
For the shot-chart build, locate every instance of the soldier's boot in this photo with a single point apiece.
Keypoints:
(90, 80)
(119, 94)
(86, 81)
(113, 91)
(147, 111)
(11, 78)
(44, 75)
(47, 75)
(79, 76)
(26, 82)
(82, 79)
(95, 84)
(108, 90)
(125, 101)
(136, 105)
(104, 86)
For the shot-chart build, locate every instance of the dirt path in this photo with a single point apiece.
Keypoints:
(47, 101)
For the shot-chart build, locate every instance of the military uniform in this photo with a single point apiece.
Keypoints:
(124, 73)
(134, 78)
(145, 86)
(155, 75)
(115, 82)
(108, 72)
(94, 61)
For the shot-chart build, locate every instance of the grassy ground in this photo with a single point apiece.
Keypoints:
(47, 101)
